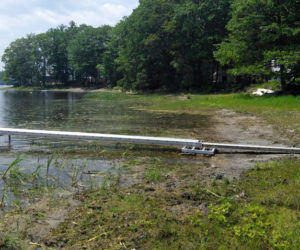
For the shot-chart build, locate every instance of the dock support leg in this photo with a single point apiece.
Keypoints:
(203, 151)
(9, 139)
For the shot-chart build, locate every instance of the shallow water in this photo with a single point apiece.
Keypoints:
(67, 111)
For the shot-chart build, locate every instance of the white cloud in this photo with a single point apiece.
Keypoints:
(19, 17)
(104, 14)
(46, 15)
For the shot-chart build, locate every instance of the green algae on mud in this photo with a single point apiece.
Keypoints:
(281, 111)
(247, 213)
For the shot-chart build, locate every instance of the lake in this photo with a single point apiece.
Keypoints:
(75, 160)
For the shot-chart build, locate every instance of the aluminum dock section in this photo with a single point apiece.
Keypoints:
(188, 145)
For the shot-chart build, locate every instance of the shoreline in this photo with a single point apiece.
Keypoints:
(71, 89)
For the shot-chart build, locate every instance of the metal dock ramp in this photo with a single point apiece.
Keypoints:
(187, 145)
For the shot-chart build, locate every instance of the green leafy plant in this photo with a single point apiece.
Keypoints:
(220, 213)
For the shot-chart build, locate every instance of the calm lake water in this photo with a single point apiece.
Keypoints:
(67, 111)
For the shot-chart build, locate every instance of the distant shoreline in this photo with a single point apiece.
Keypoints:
(71, 89)
(6, 86)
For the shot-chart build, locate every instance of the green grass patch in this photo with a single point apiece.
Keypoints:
(240, 102)
(260, 211)
(111, 96)
(153, 175)
(264, 212)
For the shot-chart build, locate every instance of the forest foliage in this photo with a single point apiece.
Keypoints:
(1, 81)
(203, 45)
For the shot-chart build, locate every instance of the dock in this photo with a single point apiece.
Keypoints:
(187, 145)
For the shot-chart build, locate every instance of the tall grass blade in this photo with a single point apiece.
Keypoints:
(49, 161)
(15, 162)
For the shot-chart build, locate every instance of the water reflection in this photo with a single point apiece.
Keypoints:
(37, 109)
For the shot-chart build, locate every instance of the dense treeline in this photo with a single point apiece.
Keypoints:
(61, 55)
(264, 41)
(1, 81)
(205, 45)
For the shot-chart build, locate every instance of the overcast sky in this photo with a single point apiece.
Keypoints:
(21, 17)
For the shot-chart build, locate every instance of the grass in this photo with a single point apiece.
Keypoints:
(19, 185)
(153, 175)
(239, 102)
(169, 206)
(258, 211)
(10, 242)
(112, 96)
(281, 111)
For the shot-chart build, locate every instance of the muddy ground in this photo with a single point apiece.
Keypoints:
(234, 127)
(38, 220)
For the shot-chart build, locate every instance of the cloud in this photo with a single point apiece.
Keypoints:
(104, 14)
(19, 17)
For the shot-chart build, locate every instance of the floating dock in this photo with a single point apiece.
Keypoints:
(187, 145)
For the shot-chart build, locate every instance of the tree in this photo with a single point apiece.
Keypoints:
(1, 80)
(195, 27)
(58, 54)
(19, 62)
(263, 34)
(41, 53)
(86, 51)
(169, 44)
(143, 56)
(108, 67)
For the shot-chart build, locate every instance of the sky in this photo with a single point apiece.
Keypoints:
(21, 17)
